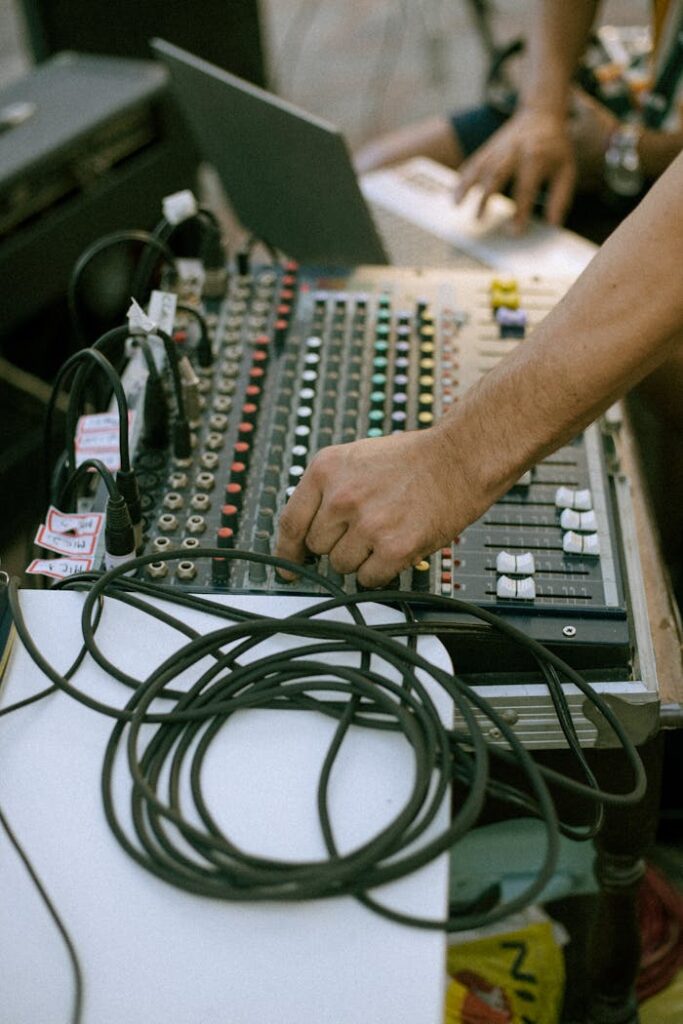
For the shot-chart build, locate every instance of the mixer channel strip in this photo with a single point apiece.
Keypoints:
(308, 357)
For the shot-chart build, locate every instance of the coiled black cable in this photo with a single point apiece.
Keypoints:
(187, 721)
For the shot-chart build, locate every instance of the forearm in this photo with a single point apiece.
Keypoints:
(617, 323)
(557, 40)
(657, 150)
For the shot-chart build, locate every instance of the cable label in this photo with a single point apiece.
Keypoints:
(162, 310)
(98, 441)
(191, 272)
(100, 421)
(59, 568)
(66, 544)
(110, 458)
(179, 206)
(97, 437)
(73, 522)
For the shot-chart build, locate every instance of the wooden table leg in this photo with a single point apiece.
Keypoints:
(614, 940)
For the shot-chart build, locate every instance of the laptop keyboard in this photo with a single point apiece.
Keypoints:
(408, 245)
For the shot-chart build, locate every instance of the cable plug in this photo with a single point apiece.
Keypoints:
(119, 536)
(127, 483)
(190, 384)
(204, 349)
(182, 440)
(243, 263)
(155, 411)
(215, 263)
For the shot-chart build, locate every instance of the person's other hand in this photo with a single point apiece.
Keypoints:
(375, 506)
(590, 127)
(532, 150)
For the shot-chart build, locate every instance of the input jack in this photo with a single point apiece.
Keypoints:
(230, 368)
(177, 480)
(161, 544)
(200, 502)
(173, 501)
(196, 524)
(157, 570)
(218, 421)
(186, 571)
(214, 441)
(205, 481)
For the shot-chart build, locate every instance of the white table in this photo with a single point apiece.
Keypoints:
(153, 954)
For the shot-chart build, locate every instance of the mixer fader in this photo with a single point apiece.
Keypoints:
(305, 358)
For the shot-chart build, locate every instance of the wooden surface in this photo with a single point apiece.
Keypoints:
(665, 621)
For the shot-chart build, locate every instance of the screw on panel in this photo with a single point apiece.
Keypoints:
(569, 631)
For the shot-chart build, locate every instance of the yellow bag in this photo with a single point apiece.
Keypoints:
(513, 977)
(666, 1007)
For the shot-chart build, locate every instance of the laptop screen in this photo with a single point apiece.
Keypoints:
(287, 174)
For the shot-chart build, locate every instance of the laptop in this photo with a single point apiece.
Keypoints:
(291, 182)
(288, 175)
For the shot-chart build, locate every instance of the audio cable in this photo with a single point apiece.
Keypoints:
(76, 969)
(115, 238)
(95, 358)
(297, 679)
(213, 254)
(204, 351)
(186, 721)
(67, 939)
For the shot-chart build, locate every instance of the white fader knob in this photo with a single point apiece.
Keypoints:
(584, 522)
(587, 544)
(506, 588)
(516, 590)
(526, 589)
(567, 497)
(516, 565)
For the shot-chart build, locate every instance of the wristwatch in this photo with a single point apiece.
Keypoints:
(623, 173)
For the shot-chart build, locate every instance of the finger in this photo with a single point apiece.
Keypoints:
(560, 194)
(350, 551)
(492, 182)
(527, 185)
(468, 175)
(295, 522)
(395, 551)
(379, 569)
(325, 531)
(487, 190)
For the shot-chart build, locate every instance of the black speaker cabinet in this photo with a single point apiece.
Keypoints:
(90, 145)
(225, 32)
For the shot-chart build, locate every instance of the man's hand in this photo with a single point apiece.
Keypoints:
(590, 127)
(375, 506)
(532, 150)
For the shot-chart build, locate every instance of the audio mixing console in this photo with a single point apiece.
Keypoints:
(305, 358)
